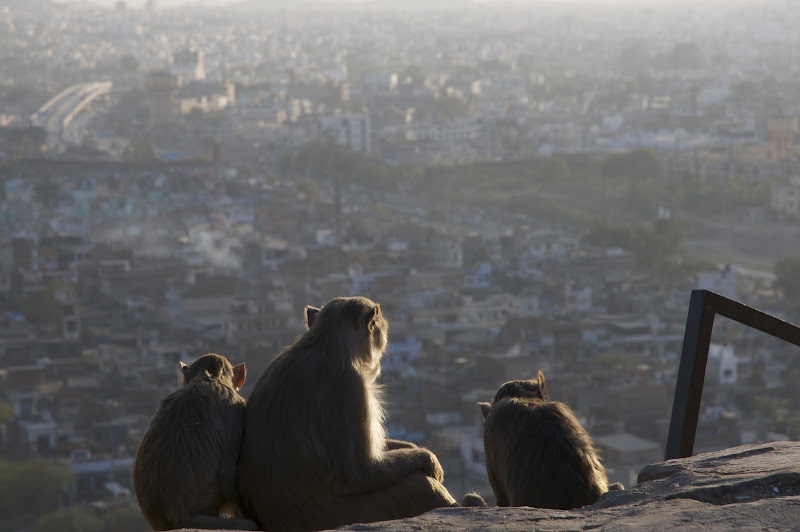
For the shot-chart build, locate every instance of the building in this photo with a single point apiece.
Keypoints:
(189, 65)
(350, 129)
(162, 90)
(785, 197)
(781, 130)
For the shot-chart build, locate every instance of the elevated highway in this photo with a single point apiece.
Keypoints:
(56, 115)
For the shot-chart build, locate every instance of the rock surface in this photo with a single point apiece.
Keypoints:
(752, 487)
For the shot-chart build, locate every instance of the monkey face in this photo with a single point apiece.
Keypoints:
(378, 328)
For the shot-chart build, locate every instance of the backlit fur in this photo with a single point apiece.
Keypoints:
(537, 453)
(315, 453)
(185, 465)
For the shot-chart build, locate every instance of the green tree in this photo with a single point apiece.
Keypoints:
(606, 234)
(47, 193)
(140, 150)
(72, 520)
(6, 412)
(659, 244)
(128, 519)
(42, 305)
(688, 55)
(30, 488)
(787, 277)
(309, 189)
(553, 168)
(744, 91)
(637, 164)
(129, 63)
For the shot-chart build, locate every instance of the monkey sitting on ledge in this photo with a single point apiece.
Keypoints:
(537, 453)
(184, 473)
(315, 453)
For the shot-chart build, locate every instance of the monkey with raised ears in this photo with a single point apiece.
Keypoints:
(537, 453)
(184, 474)
(315, 453)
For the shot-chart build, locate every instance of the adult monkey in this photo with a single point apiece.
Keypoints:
(537, 453)
(314, 453)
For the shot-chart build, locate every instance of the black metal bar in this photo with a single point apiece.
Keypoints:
(703, 306)
(754, 318)
(691, 374)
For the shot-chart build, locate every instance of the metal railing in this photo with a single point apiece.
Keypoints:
(703, 307)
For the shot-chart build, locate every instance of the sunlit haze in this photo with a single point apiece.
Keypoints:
(515, 185)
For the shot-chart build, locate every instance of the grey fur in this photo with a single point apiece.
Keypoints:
(314, 453)
(185, 467)
(537, 453)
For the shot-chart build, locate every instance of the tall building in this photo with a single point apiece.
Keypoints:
(781, 130)
(189, 65)
(162, 90)
(350, 129)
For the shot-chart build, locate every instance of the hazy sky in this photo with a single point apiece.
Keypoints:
(172, 3)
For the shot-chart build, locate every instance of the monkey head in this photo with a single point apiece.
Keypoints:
(214, 366)
(522, 389)
(357, 324)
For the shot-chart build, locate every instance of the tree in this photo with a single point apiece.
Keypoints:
(30, 488)
(47, 193)
(6, 412)
(553, 168)
(129, 63)
(309, 189)
(72, 520)
(43, 305)
(688, 55)
(787, 277)
(450, 107)
(128, 519)
(637, 164)
(659, 244)
(140, 150)
(608, 235)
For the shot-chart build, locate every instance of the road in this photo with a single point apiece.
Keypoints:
(57, 114)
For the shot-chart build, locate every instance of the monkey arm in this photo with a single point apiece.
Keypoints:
(391, 445)
(391, 468)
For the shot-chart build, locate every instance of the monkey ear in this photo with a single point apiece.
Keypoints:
(239, 374)
(540, 378)
(311, 315)
(371, 316)
(184, 372)
(485, 409)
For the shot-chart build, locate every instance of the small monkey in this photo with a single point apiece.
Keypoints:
(537, 453)
(184, 473)
(315, 453)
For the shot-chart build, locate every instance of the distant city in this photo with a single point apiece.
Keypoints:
(521, 188)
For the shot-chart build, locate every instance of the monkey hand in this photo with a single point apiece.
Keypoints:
(430, 465)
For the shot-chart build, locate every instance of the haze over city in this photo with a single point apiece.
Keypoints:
(520, 188)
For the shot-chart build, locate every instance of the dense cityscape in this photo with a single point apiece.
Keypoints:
(521, 188)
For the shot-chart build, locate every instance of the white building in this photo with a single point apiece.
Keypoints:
(350, 129)
(723, 365)
(722, 282)
(785, 197)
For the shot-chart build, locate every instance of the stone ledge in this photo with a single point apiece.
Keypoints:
(752, 487)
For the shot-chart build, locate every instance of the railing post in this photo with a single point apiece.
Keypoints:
(691, 375)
